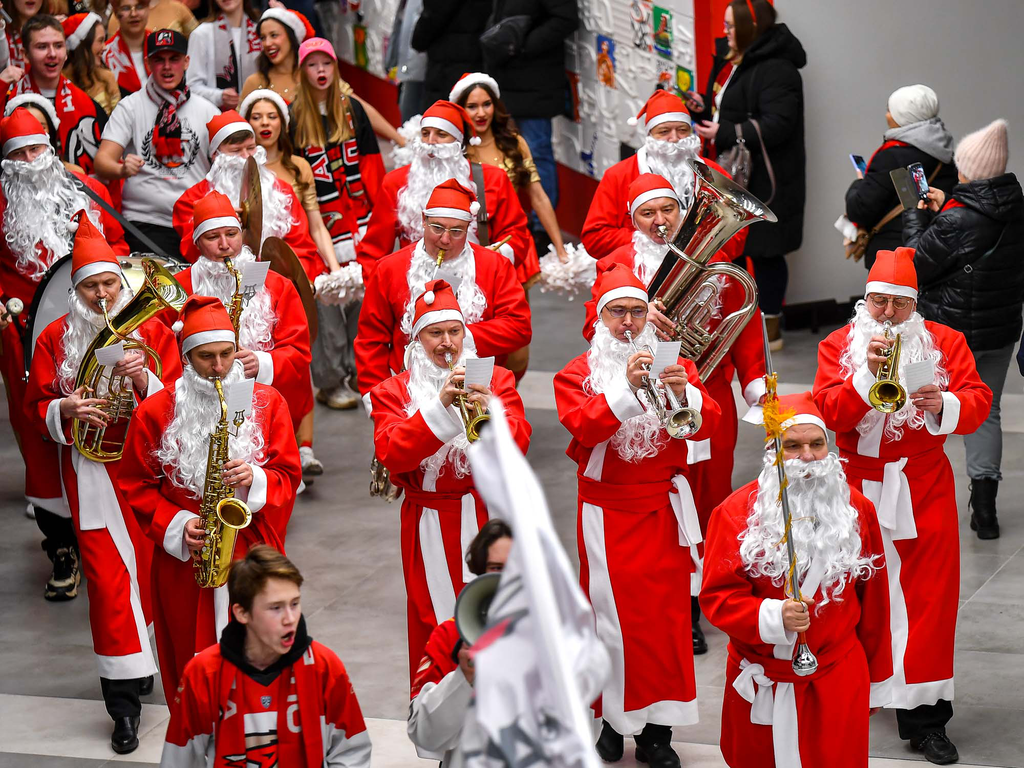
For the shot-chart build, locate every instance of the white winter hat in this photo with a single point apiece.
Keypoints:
(912, 104)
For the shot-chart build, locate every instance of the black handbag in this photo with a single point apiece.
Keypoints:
(504, 40)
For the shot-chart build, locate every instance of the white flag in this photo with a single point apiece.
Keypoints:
(539, 663)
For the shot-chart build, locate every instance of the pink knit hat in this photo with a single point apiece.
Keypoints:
(983, 154)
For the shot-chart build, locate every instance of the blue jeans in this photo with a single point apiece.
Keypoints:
(537, 132)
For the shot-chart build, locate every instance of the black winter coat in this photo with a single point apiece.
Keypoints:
(448, 31)
(767, 86)
(533, 84)
(962, 285)
(868, 200)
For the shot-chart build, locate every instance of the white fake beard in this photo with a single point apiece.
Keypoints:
(80, 329)
(638, 437)
(917, 344)
(647, 257)
(824, 525)
(41, 200)
(668, 159)
(211, 278)
(422, 267)
(431, 165)
(185, 445)
(225, 176)
(425, 381)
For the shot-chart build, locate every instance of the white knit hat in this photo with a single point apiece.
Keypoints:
(983, 154)
(912, 104)
(272, 96)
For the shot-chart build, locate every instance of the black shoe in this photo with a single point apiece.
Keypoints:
(66, 576)
(936, 748)
(125, 737)
(654, 747)
(146, 685)
(983, 508)
(700, 644)
(609, 744)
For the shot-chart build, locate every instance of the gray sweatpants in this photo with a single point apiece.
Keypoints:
(333, 356)
(984, 448)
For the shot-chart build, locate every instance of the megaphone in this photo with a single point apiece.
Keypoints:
(471, 607)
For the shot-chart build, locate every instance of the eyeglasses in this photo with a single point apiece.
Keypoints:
(637, 313)
(128, 10)
(455, 233)
(729, 27)
(880, 301)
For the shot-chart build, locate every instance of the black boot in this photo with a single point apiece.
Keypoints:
(936, 747)
(63, 582)
(983, 508)
(700, 644)
(146, 685)
(125, 737)
(654, 747)
(609, 744)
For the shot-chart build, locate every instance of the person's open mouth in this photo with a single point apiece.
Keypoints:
(266, 134)
(288, 639)
(321, 80)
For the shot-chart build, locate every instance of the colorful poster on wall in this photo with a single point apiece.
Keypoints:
(359, 38)
(640, 24)
(684, 81)
(606, 61)
(661, 23)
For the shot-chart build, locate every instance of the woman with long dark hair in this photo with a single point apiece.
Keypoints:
(85, 38)
(223, 51)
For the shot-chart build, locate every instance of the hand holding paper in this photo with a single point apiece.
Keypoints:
(919, 374)
(479, 371)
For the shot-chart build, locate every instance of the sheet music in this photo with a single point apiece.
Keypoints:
(239, 398)
(919, 374)
(449, 277)
(479, 371)
(110, 356)
(254, 276)
(665, 354)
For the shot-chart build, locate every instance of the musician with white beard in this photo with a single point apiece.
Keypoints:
(844, 613)
(421, 439)
(115, 555)
(37, 205)
(636, 522)
(164, 471)
(898, 461)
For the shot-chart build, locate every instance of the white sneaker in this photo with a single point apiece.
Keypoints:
(311, 466)
(30, 511)
(338, 398)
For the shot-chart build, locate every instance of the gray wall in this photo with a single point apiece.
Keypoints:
(858, 52)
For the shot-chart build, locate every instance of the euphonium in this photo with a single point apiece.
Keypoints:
(676, 418)
(685, 283)
(473, 418)
(887, 395)
(222, 514)
(160, 291)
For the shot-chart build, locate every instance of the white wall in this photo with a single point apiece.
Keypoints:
(858, 52)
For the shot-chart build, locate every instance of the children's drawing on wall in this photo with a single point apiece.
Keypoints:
(684, 80)
(661, 22)
(640, 24)
(359, 38)
(606, 61)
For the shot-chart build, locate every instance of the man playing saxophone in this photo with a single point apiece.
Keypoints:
(420, 436)
(115, 555)
(166, 466)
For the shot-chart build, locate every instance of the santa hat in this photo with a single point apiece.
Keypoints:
(203, 320)
(799, 409)
(225, 124)
(913, 104)
(893, 273)
(648, 186)
(36, 100)
(619, 282)
(91, 254)
(662, 107)
(78, 26)
(471, 80)
(983, 154)
(261, 94)
(450, 118)
(21, 130)
(213, 211)
(295, 21)
(436, 304)
(451, 200)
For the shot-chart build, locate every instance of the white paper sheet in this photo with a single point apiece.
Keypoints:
(254, 276)
(110, 356)
(919, 374)
(239, 398)
(479, 371)
(449, 277)
(665, 354)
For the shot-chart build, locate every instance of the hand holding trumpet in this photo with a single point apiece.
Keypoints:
(477, 394)
(878, 352)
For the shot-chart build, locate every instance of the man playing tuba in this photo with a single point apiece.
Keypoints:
(115, 555)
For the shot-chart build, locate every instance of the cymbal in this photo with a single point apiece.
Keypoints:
(284, 261)
(251, 203)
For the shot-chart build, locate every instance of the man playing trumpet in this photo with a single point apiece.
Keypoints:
(420, 436)
(166, 469)
(897, 460)
(115, 555)
(637, 520)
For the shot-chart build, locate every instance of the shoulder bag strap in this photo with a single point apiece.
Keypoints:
(482, 233)
(751, 93)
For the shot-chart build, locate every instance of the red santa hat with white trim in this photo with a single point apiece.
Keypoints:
(31, 99)
(19, 130)
(661, 107)
(78, 26)
(92, 253)
(471, 80)
(450, 118)
(893, 273)
(437, 304)
(293, 20)
(451, 200)
(203, 320)
(226, 124)
(648, 186)
(213, 211)
(619, 282)
(799, 406)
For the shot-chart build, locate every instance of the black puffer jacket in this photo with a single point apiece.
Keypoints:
(448, 31)
(962, 285)
(767, 86)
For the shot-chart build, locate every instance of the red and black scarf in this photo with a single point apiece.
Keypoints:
(233, 69)
(167, 130)
(118, 59)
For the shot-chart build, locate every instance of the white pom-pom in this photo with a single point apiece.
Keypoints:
(476, 141)
(177, 326)
(570, 278)
(72, 226)
(474, 208)
(428, 298)
(632, 121)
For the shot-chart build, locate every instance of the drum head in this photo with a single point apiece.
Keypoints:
(49, 303)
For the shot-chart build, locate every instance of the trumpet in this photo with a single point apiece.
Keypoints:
(887, 395)
(472, 417)
(676, 418)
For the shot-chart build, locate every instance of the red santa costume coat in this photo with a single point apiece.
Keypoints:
(441, 513)
(911, 484)
(635, 527)
(40, 454)
(188, 619)
(764, 699)
(441, 694)
(380, 342)
(504, 213)
(116, 556)
(298, 237)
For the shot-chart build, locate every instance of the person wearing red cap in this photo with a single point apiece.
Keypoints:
(420, 437)
(124, 52)
(85, 37)
(494, 304)
(164, 473)
(115, 555)
(636, 522)
(897, 460)
(820, 719)
(438, 155)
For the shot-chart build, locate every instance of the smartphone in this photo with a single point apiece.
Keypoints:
(859, 164)
(905, 187)
(920, 179)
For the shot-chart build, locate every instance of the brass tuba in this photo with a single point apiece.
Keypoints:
(472, 418)
(887, 395)
(685, 283)
(159, 291)
(222, 514)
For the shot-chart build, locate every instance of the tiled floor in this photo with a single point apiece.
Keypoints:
(347, 546)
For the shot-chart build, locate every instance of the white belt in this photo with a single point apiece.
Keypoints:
(778, 711)
(892, 501)
(686, 512)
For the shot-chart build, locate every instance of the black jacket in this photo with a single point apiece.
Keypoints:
(448, 31)
(767, 86)
(961, 283)
(533, 84)
(868, 200)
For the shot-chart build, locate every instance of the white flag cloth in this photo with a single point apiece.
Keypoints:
(539, 663)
